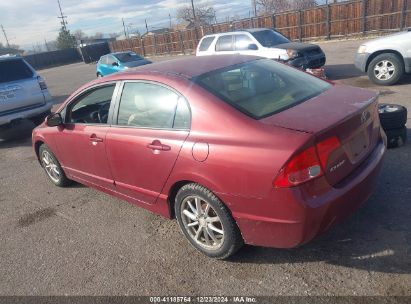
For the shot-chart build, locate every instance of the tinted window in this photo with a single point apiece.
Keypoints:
(128, 57)
(269, 38)
(205, 43)
(224, 43)
(152, 106)
(91, 107)
(242, 42)
(262, 87)
(12, 70)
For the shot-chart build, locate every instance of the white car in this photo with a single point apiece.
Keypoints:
(262, 42)
(23, 94)
(385, 59)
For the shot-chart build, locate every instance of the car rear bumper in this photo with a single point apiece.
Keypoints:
(294, 216)
(26, 112)
(360, 61)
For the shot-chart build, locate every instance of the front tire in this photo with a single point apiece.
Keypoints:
(52, 167)
(206, 222)
(99, 75)
(386, 69)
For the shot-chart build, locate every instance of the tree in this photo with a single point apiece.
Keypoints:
(79, 34)
(65, 39)
(266, 7)
(204, 14)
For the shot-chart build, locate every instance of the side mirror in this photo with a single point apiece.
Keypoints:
(253, 47)
(115, 63)
(54, 120)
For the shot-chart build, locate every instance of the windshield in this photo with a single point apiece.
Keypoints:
(128, 57)
(268, 38)
(261, 88)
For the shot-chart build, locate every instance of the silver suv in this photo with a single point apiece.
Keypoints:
(386, 59)
(23, 93)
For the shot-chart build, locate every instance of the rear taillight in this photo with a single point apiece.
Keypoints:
(307, 165)
(42, 83)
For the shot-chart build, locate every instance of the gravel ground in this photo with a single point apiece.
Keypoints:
(78, 241)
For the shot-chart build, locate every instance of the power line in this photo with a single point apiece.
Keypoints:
(62, 17)
(5, 36)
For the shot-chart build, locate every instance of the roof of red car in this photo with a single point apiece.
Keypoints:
(189, 67)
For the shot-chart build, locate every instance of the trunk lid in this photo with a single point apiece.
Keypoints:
(350, 114)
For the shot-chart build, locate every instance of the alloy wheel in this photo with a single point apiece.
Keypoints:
(202, 222)
(52, 169)
(384, 70)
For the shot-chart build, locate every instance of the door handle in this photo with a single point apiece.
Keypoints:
(157, 145)
(95, 139)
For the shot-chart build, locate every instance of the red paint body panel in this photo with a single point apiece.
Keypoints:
(233, 155)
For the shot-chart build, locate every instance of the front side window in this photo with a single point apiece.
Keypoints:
(91, 107)
(148, 105)
(128, 57)
(224, 43)
(242, 42)
(263, 87)
(205, 44)
(111, 60)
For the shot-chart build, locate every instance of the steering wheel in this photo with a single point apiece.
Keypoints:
(103, 113)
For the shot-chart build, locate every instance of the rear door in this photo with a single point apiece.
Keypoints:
(151, 123)
(19, 86)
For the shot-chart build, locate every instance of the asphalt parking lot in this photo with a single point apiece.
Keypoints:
(78, 241)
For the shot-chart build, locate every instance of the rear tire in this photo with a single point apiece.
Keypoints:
(52, 167)
(386, 69)
(206, 222)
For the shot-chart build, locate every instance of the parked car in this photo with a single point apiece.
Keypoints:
(385, 59)
(239, 149)
(120, 61)
(265, 43)
(23, 94)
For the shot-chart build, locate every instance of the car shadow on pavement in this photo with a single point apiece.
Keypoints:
(342, 71)
(376, 238)
(17, 135)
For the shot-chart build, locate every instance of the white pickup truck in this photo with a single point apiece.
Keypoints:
(23, 94)
(385, 59)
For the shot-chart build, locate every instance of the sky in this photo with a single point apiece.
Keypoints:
(29, 22)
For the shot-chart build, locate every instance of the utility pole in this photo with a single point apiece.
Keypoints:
(62, 17)
(145, 20)
(47, 46)
(124, 28)
(5, 36)
(254, 4)
(169, 16)
(194, 12)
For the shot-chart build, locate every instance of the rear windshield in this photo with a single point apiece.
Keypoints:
(261, 88)
(268, 38)
(127, 57)
(13, 70)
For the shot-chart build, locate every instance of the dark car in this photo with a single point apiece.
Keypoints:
(238, 149)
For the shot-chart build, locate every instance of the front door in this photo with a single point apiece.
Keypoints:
(82, 142)
(152, 124)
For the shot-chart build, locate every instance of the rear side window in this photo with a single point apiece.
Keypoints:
(242, 42)
(148, 105)
(205, 43)
(224, 43)
(13, 70)
(261, 88)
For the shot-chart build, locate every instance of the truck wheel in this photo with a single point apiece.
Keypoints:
(386, 69)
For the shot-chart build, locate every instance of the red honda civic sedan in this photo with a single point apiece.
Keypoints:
(238, 149)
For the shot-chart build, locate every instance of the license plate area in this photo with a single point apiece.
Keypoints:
(358, 146)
